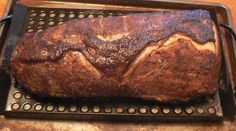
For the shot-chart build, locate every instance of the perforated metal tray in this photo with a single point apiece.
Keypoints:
(21, 103)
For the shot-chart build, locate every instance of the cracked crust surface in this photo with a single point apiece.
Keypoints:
(167, 55)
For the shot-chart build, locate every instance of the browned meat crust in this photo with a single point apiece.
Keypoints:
(167, 55)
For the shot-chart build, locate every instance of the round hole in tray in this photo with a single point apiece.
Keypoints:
(143, 110)
(29, 30)
(15, 106)
(42, 14)
(100, 16)
(52, 15)
(71, 15)
(84, 108)
(110, 14)
(155, 110)
(49, 107)
(39, 29)
(26, 106)
(166, 110)
(31, 22)
(178, 110)
(60, 22)
(108, 109)
(38, 107)
(120, 109)
(61, 108)
(211, 110)
(33, 14)
(81, 16)
(120, 14)
(17, 95)
(131, 110)
(200, 110)
(96, 109)
(189, 110)
(51, 23)
(91, 16)
(41, 22)
(62, 15)
(27, 96)
(73, 108)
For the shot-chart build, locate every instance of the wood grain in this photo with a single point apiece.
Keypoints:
(22, 124)
(2, 6)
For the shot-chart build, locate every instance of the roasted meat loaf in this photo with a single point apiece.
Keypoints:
(165, 56)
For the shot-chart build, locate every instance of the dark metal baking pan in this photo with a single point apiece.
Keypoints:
(38, 15)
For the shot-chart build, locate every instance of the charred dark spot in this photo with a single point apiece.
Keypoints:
(143, 29)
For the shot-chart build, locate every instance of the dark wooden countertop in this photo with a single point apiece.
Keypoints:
(36, 125)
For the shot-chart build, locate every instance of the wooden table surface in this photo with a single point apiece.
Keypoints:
(2, 6)
(21, 124)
